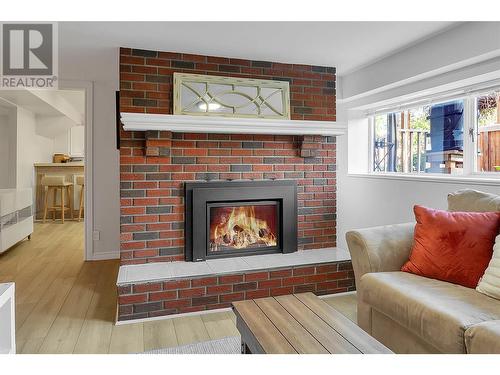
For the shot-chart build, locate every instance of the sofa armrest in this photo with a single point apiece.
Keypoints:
(380, 249)
(483, 338)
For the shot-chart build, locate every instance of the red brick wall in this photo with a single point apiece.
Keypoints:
(146, 80)
(152, 205)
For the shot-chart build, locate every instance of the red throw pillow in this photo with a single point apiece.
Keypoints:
(452, 246)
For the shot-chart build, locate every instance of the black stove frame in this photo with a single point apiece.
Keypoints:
(199, 196)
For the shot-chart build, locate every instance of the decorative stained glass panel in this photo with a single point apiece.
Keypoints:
(196, 94)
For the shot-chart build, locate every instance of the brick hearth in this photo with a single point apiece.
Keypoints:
(146, 300)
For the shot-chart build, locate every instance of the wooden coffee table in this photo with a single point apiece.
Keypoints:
(299, 323)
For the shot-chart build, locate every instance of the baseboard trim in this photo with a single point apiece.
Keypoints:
(105, 256)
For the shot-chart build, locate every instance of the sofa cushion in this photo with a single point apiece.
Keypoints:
(490, 282)
(452, 246)
(483, 338)
(436, 311)
(473, 201)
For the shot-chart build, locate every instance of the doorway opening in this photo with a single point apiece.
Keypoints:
(43, 177)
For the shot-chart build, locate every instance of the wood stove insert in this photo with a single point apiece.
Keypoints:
(239, 218)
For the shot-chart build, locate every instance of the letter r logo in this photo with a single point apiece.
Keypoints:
(27, 49)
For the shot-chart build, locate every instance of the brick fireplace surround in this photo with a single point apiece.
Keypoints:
(155, 165)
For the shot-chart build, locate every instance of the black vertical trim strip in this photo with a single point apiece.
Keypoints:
(118, 121)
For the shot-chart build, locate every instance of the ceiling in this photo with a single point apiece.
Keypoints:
(345, 45)
(67, 103)
(56, 111)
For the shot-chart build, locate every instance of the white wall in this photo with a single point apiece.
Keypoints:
(83, 59)
(61, 143)
(8, 147)
(53, 126)
(31, 148)
(4, 152)
(77, 141)
(460, 56)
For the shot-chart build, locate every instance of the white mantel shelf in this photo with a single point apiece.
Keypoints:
(229, 125)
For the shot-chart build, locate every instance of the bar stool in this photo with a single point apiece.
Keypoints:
(80, 181)
(54, 184)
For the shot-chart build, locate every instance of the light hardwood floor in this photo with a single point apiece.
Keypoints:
(66, 305)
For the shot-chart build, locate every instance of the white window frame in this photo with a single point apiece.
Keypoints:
(470, 140)
(475, 128)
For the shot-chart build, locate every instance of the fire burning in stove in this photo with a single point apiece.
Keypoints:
(240, 227)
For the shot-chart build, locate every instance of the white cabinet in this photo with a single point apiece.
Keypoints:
(16, 216)
(71, 142)
(7, 319)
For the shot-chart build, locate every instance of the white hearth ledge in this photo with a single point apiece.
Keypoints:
(163, 271)
(228, 125)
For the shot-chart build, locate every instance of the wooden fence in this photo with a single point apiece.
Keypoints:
(489, 148)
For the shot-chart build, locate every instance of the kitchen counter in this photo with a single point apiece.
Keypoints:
(69, 171)
(70, 164)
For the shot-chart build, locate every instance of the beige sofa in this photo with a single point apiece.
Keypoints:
(414, 314)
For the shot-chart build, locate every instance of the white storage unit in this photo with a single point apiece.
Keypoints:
(7, 319)
(16, 216)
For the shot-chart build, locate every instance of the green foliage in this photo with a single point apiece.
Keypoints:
(381, 126)
(419, 118)
(486, 116)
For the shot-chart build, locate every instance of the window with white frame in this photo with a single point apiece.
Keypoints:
(488, 132)
(457, 136)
